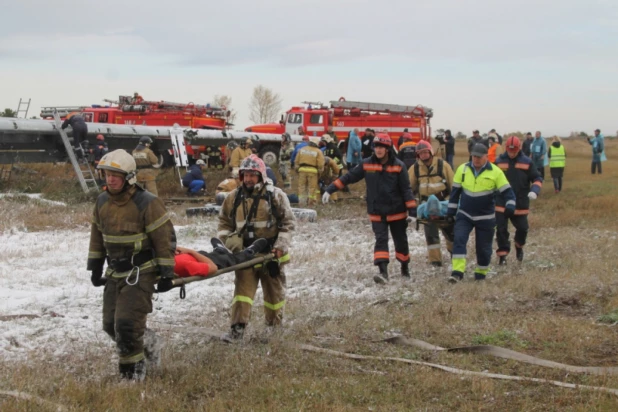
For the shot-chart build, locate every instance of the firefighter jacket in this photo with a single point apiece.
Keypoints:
(557, 155)
(145, 160)
(473, 192)
(523, 178)
(437, 179)
(238, 155)
(285, 153)
(407, 153)
(310, 159)
(334, 153)
(227, 185)
(131, 229)
(270, 218)
(493, 152)
(389, 194)
(331, 170)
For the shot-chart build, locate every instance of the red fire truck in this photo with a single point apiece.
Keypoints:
(343, 116)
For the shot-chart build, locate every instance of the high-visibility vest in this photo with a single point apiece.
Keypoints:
(558, 157)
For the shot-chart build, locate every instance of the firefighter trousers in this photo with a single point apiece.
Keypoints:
(125, 308)
(400, 239)
(246, 283)
(308, 188)
(432, 238)
(286, 174)
(502, 236)
(484, 233)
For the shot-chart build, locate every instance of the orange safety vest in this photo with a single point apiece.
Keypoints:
(491, 153)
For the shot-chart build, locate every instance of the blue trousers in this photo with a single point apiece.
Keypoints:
(484, 230)
(196, 185)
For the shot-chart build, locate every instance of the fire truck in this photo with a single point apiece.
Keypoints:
(343, 116)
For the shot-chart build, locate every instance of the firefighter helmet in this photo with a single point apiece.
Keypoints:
(314, 140)
(513, 144)
(327, 138)
(254, 163)
(120, 161)
(286, 137)
(100, 137)
(145, 140)
(382, 139)
(423, 147)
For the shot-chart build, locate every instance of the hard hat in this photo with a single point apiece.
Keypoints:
(100, 137)
(327, 138)
(423, 146)
(252, 162)
(513, 144)
(314, 140)
(200, 162)
(305, 138)
(145, 140)
(407, 136)
(235, 173)
(382, 139)
(120, 161)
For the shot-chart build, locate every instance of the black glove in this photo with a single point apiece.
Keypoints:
(273, 268)
(509, 212)
(412, 212)
(97, 278)
(164, 285)
(450, 219)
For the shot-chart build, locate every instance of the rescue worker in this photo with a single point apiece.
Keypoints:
(472, 206)
(214, 157)
(495, 149)
(389, 202)
(526, 183)
(285, 156)
(240, 153)
(299, 146)
(557, 162)
(194, 179)
(254, 210)
(100, 149)
(227, 152)
(146, 162)
(309, 165)
(407, 150)
(328, 176)
(474, 140)
(431, 175)
(137, 99)
(226, 187)
(80, 131)
(449, 142)
(332, 150)
(538, 150)
(598, 146)
(132, 230)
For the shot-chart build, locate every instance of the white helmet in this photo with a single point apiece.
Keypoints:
(120, 161)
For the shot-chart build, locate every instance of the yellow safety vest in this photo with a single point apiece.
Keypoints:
(558, 156)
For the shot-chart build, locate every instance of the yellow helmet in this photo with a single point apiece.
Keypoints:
(122, 162)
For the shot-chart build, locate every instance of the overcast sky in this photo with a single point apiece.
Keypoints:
(516, 65)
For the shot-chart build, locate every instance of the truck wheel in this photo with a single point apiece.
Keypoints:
(269, 154)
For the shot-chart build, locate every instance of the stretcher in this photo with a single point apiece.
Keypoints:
(439, 221)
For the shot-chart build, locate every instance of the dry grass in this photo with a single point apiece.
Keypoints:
(547, 307)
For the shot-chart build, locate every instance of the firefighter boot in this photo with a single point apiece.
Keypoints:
(455, 277)
(479, 276)
(519, 253)
(382, 277)
(133, 371)
(235, 334)
(405, 270)
(502, 260)
(152, 348)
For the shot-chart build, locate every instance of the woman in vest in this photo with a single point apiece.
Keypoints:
(557, 161)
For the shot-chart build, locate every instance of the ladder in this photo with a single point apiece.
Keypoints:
(380, 107)
(81, 166)
(23, 102)
(63, 111)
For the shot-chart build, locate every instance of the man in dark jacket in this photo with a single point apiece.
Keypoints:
(389, 202)
(100, 149)
(80, 129)
(526, 182)
(476, 139)
(194, 178)
(367, 143)
(449, 142)
(526, 147)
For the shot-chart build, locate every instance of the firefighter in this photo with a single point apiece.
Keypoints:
(472, 206)
(240, 153)
(146, 162)
(407, 150)
(214, 157)
(309, 165)
(100, 149)
(526, 183)
(328, 176)
(137, 99)
(332, 150)
(226, 187)
(389, 202)
(257, 209)
(431, 175)
(285, 156)
(131, 229)
(80, 130)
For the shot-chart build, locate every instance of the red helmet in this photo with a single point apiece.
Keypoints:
(423, 146)
(100, 137)
(513, 144)
(382, 139)
(252, 163)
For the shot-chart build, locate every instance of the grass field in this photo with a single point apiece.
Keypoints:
(561, 304)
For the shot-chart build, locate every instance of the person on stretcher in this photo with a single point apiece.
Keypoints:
(189, 262)
(432, 209)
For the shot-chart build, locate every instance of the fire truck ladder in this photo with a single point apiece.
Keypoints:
(81, 166)
(23, 102)
(380, 107)
(63, 111)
